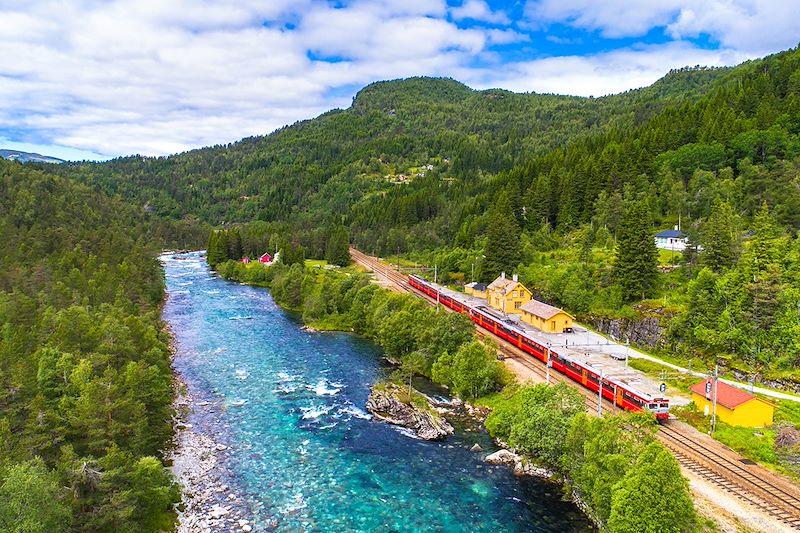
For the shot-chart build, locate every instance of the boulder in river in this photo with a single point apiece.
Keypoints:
(392, 404)
(521, 466)
(503, 457)
(476, 448)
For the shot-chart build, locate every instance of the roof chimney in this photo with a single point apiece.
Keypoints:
(503, 275)
(514, 277)
(677, 228)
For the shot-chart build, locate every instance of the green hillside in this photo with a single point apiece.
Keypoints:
(418, 167)
(85, 379)
(392, 127)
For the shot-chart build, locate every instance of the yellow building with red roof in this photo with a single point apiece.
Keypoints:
(734, 406)
(546, 317)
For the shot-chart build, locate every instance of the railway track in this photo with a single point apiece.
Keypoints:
(697, 453)
(750, 483)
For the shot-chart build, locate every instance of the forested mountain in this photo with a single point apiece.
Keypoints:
(323, 166)
(85, 380)
(28, 157)
(420, 167)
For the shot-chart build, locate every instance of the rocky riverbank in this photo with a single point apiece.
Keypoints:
(208, 503)
(393, 404)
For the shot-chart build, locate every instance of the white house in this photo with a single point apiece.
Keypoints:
(671, 239)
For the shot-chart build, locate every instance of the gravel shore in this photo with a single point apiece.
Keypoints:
(197, 462)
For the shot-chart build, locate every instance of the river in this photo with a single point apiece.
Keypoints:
(302, 454)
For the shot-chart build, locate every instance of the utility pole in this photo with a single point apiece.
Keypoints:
(714, 404)
(614, 401)
(438, 292)
(627, 347)
(600, 396)
(548, 364)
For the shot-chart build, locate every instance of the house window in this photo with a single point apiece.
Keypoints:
(554, 324)
(517, 304)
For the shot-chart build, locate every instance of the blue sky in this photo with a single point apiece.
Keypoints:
(102, 78)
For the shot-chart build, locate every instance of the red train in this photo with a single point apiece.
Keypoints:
(622, 394)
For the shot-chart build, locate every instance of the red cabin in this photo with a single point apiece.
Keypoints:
(265, 259)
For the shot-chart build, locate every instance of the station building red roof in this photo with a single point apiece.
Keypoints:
(542, 310)
(727, 395)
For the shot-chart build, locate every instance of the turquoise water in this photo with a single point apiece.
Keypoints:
(303, 454)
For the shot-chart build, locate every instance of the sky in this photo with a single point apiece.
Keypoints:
(95, 79)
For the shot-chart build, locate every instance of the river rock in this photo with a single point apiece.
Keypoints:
(385, 405)
(476, 448)
(524, 468)
(503, 457)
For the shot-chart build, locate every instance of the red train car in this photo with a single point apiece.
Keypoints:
(622, 394)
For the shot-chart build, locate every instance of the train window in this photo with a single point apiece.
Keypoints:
(631, 398)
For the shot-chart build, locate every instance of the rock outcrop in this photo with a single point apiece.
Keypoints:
(518, 463)
(385, 404)
(649, 329)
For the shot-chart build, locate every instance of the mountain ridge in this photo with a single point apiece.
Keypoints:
(28, 157)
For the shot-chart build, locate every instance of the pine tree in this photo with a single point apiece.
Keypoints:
(337, 250)
(211, 249)
(217, 251)
(235, 248)
(762, 247)
(537, 203)
(719, 238)
(222, 246)
(292, 253)
(502, 245)
(637, 257)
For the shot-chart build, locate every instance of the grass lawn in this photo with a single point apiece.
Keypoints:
(318, 263)
(668, 257)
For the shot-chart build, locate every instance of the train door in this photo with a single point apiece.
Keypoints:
(618, 395)
(583, 377)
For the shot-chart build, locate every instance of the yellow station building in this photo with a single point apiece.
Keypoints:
(546, 317)
(475, 289)
(734, 406)
(507, 295)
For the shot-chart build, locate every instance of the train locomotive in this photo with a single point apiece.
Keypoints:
(623, 395)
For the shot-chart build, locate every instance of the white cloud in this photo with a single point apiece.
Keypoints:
(478, 10)
(133, 76)
(756, 26)
(155, 77)
(752, 26)
(497, 36)
(600, 74)
(615, 18)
